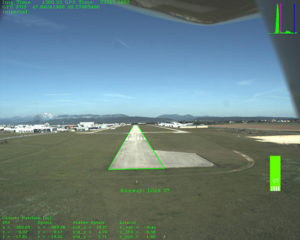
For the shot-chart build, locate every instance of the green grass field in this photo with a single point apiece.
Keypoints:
(65, 176)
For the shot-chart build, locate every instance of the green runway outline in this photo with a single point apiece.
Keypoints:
(136, 168)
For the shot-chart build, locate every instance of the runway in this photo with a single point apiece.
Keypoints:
(135, 153)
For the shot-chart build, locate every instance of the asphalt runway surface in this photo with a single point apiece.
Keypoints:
(135, 153)
(172, 159)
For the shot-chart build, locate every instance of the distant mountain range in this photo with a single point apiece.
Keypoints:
(176, 117)
(74, 119)
(188, 117)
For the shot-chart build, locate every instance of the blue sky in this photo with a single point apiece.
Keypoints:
(114, 60)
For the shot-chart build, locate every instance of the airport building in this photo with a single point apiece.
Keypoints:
(181, 125)
(37, 128)
(86, 124)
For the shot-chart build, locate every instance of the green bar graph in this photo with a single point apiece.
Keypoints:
(275, 173)
(278, 20)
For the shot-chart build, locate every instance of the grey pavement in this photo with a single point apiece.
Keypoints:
(25, 135)
(181, 159)
(135, 153)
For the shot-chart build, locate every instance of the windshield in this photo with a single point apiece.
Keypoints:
(115, 124)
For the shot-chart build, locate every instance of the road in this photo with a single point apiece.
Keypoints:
(22, 136)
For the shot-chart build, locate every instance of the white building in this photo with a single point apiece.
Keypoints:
(37, 128)
(181, 125)
(173, 124)
(194, 126)
(86, 124)
(9, 129)
(24, 129)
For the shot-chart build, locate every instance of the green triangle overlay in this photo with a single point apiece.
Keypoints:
(136, 168)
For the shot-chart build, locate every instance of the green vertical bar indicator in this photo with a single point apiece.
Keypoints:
(277, 24)
(275, 173)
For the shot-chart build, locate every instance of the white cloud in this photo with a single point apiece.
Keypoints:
(122, 43)
(116, 95)
(21, 63)
(47, 115)
(65, 100)
(281, 97)
(30, 20)
(245, 82)
(264, 94)
(57, 94)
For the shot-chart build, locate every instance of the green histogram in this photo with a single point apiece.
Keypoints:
(278, 21)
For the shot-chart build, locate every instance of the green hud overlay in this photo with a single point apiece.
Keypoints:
(136, 168)
(45, 227)
(145, 190)
(152, 150)
(275, 173)
(24, 6)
